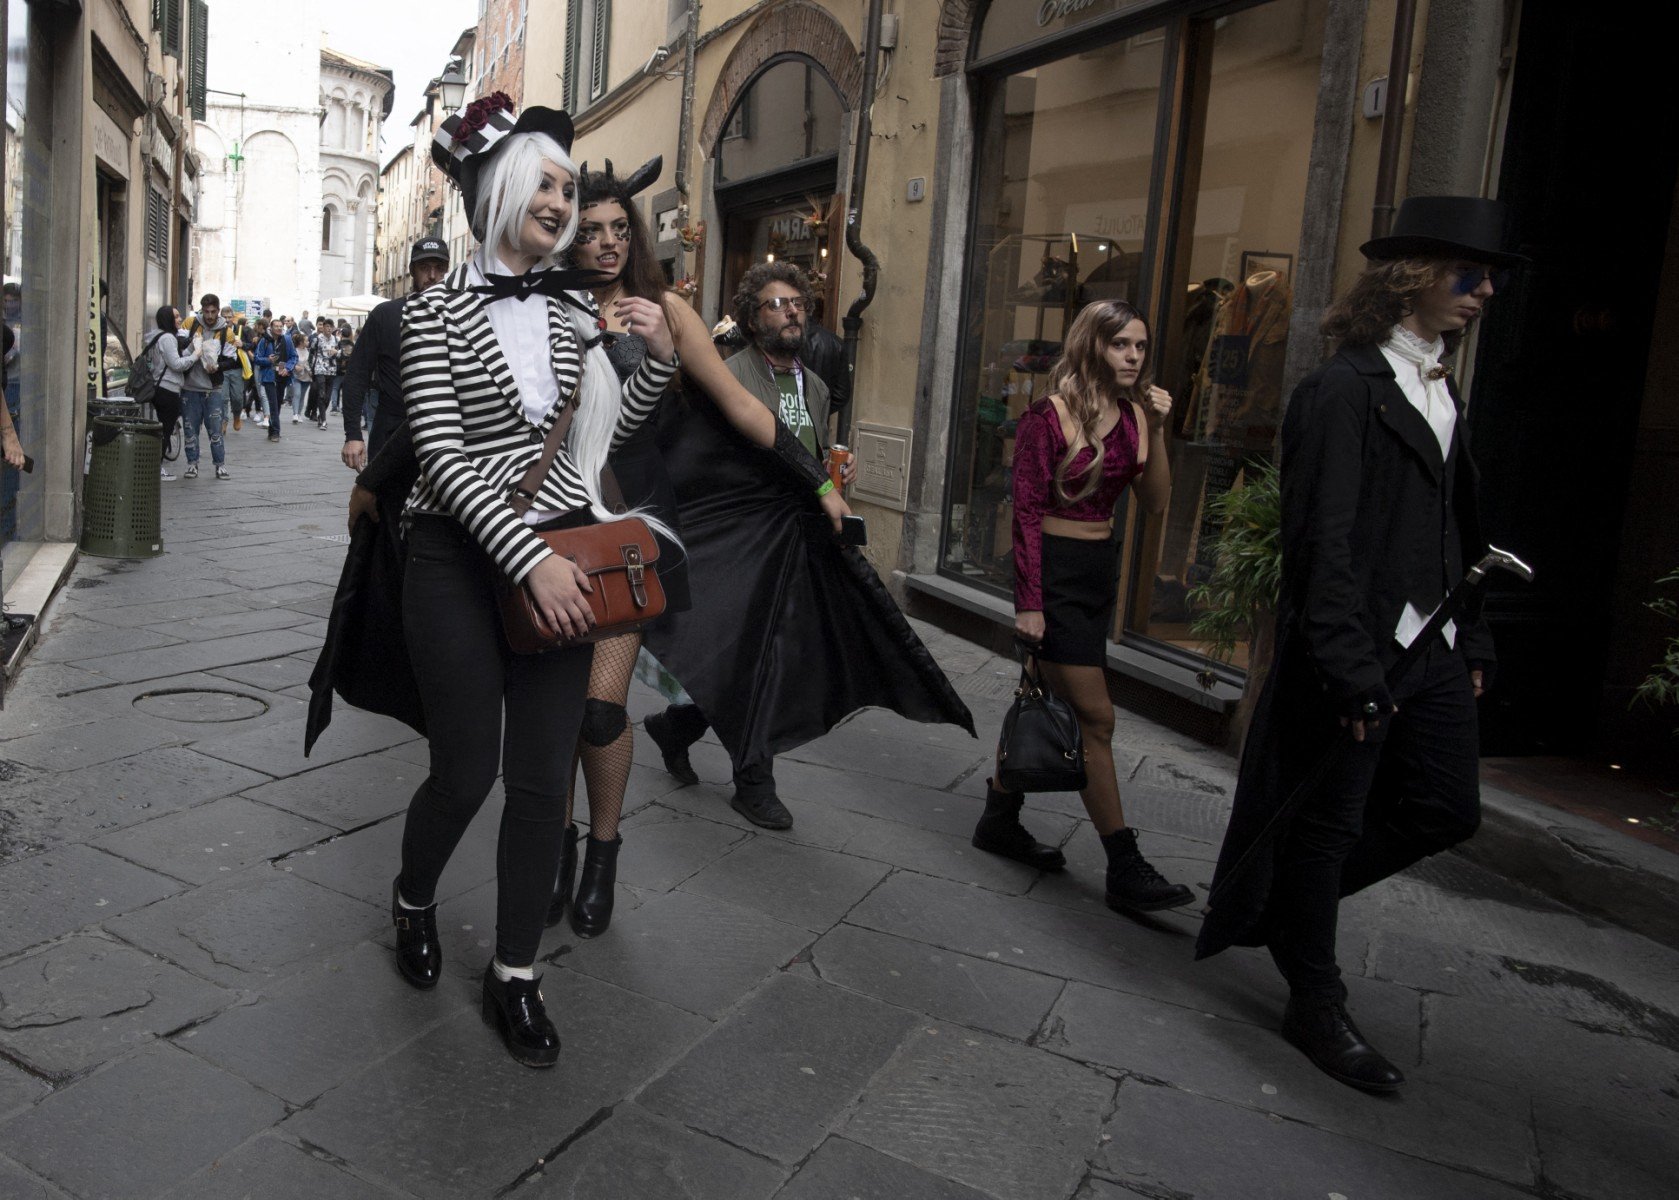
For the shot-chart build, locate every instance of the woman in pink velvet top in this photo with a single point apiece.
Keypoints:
(1101, 429)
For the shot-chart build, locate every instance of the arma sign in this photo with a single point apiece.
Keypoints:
(1011, 24)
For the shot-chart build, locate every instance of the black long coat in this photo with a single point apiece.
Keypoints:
(1373, 518)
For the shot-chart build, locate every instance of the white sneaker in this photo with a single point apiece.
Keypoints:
(222, 473)
(295, 418)
(191, 472)
(164, 473)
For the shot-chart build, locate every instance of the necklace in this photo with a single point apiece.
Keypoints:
(617, 291)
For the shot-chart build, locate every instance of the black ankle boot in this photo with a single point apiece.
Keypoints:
(1133, 884)
(1322, 1030)
(515, 1009)
(1000, 832)
(592, 911)
(673, 746)
(419, 955)
(568, 877)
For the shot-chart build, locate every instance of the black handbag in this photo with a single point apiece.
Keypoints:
(1041, 748)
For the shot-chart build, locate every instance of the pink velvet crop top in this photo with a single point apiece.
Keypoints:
(1038, 446)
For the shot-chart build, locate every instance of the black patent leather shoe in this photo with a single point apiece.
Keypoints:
(515, 1009)
(671, 748)
(419, 955)
(567, 878)
(1324, 1032)
(1000, 832)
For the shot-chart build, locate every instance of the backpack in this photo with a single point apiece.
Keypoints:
(143, 375)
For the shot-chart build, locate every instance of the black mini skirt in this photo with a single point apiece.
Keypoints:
(1081, 592)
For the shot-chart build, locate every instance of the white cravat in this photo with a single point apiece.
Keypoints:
(521, 326)
(1416, 368)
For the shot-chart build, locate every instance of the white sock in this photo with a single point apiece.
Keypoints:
(505, 972)
(401, 902)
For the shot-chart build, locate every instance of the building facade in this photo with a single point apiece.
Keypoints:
(99, 192)
(356, 97)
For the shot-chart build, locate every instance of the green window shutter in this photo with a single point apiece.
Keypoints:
(598, 59)
(568, 68)
(172, 27)
(198, 67)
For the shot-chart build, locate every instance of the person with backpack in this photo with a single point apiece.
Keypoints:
(160, 371)
(207, 384)
(276, 359)
(323, 365)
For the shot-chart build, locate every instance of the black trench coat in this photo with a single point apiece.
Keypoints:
(1373, 518)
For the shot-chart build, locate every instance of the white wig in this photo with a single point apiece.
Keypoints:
(507, 186)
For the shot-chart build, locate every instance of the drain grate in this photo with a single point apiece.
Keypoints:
(201, 706)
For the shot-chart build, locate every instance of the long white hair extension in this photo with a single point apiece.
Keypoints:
(504, 195)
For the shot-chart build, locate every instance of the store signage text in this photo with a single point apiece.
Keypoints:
(1056, 10)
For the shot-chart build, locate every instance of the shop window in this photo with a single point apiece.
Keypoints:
(1233, 268)
(788, 114)
(1063, 209)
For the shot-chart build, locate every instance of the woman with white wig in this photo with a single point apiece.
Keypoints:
(491, 359)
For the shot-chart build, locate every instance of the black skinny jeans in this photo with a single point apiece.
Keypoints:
(1409, 790)
(467, 676)
(168, 408)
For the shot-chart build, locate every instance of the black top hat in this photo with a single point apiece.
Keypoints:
(467, 139)
(429, 247)
(1452, 226)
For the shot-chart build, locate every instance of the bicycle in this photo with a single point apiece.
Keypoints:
(172, 443)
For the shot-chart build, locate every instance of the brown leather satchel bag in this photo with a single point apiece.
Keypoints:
(619, 558)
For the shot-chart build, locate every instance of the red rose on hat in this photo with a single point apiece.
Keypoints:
(477, 114)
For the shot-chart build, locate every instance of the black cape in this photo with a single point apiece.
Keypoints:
(789, 632)
(365, 658)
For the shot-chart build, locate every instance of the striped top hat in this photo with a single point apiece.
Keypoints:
(466, 139)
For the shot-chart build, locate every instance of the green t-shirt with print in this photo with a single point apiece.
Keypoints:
(794, 414)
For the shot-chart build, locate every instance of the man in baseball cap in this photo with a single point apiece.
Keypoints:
(376, 360)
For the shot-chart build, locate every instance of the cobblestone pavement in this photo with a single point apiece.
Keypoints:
(197, 997)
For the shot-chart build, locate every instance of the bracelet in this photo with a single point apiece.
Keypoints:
(827, 486)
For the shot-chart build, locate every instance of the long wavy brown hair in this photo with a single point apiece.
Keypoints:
(1380, 298)
(1085, 382)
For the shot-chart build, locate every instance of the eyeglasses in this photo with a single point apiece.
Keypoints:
(776, 303)
(1465, 279)
(588, 234)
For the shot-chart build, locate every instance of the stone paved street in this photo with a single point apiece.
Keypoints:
(197, 997)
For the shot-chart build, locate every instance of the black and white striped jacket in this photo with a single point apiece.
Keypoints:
(468, 424)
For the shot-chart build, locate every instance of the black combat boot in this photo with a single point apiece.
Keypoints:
(1000, 832)
(591, 912)
(1133, 884)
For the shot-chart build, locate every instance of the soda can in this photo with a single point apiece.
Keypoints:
(838, 456)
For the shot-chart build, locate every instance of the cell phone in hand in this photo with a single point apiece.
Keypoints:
(854, 531)
(28, 464)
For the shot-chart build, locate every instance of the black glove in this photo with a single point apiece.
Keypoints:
(801, 462)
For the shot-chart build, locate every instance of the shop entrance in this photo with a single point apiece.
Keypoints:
(1573, 410)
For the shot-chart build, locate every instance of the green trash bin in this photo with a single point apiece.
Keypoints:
(121, 502)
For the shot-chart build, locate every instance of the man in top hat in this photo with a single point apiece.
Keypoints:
(1379, 524)
(376, 360)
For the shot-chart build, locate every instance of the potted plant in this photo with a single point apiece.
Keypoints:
(1238, 602)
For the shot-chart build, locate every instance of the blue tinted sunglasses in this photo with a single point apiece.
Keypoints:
(1466, 281)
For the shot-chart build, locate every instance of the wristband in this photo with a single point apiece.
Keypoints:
(827, 486)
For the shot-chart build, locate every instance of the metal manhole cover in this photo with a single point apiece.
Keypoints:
(203, 706)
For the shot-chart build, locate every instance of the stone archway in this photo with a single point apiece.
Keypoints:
(957, 21)
(800, 28)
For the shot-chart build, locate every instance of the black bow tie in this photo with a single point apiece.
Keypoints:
(552, 282)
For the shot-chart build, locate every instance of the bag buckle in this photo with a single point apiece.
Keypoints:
(637, 572)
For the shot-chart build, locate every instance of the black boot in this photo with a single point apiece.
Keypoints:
(419, 955)
(592, 911)
(673, 746)
(567, 877)
(515, 1009)
(755, 797)
(1322, 1030)
(1000, 832)
(1133, 884)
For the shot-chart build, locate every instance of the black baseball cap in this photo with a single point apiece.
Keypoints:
(429, 248)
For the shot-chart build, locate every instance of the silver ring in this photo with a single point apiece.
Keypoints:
(1371, 708)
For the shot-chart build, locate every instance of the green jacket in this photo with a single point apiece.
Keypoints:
(750, 367)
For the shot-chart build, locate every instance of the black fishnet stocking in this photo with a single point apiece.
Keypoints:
(606, 769)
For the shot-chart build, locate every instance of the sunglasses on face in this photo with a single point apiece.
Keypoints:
(588, 234)
(1465, 279)
(781, 303)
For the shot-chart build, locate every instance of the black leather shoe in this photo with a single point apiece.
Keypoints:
(592, 912)
(419, 955)
(1133, 883)
(671, 748)
(515, 1009)
(567, 877)
(762, 807)
(1322, 1030)
(1000, 832)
